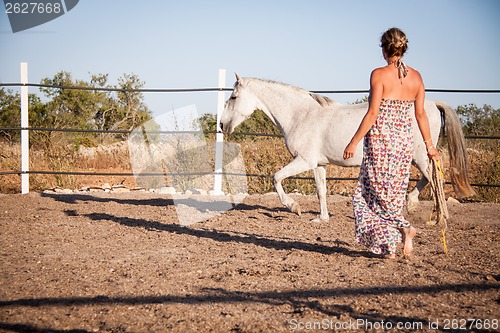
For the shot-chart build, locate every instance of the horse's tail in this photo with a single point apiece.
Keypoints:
(457, 150)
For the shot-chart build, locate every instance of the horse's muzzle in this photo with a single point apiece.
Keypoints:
(223, 128)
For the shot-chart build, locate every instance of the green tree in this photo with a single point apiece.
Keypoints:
(67, 109)
(479, 121)
(10, 115)
(130, 108)
(39, 117)
(257, 123)
(208, 122)
(362, 100)
(71, 108)
(90, 109)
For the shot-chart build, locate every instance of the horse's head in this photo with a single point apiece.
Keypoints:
(240, 105)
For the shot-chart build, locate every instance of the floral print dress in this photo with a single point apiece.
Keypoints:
(380, 194)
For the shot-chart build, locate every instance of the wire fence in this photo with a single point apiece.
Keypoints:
(175, 90)
(180, 90)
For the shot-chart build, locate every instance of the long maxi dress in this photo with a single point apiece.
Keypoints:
(380, 194)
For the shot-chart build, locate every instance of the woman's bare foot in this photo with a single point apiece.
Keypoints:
(384, 256)
(408, 235)
(388, 256)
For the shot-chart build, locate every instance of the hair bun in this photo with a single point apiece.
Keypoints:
(403, 42)
(394, 42)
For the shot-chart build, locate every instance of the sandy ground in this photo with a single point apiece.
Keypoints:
(123, 263)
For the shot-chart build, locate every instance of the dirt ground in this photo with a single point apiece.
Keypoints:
(121, 262)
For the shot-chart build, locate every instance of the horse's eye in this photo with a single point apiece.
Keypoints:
(232, 97)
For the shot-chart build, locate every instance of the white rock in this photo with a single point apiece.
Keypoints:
(215, 194)
(167, 190)
(120, 190)
(453, 200)
(63, 190)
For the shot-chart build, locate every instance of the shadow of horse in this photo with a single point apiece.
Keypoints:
(224, 236)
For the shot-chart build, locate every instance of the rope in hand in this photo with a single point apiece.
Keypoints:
(440, 208)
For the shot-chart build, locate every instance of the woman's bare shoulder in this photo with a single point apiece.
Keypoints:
(378, 73)
(415, 72)
(379, 70)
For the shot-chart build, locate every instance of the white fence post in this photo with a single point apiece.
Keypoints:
(25, 153)
(219, 137)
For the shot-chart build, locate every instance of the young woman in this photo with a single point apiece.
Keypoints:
(380, 194)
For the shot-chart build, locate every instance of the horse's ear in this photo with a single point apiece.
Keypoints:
(238, 78)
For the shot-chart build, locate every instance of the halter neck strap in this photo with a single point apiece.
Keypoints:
(402, 69)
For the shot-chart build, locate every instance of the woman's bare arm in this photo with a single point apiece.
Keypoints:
(376, 90)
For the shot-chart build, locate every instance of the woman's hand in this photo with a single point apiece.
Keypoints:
(349, 151)
(432, 152)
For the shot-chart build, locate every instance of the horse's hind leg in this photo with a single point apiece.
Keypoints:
(421, 161)
(295, 167)
(414, 193)
(320, 178)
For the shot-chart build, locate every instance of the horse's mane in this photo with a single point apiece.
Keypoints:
(320, 99)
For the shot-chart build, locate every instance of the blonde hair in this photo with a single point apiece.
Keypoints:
(394, 42)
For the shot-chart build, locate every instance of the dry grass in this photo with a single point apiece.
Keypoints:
(484, 168)
(262, 156)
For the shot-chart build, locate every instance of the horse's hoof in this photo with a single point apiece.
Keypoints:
(320, 220)
(411, 206)
(296, 208)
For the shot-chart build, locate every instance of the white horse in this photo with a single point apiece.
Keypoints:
(317, 129)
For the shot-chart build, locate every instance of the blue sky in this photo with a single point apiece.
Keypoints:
(314, 44)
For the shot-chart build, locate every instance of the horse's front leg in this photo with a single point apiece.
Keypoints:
(295, 167)
(320, 178)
